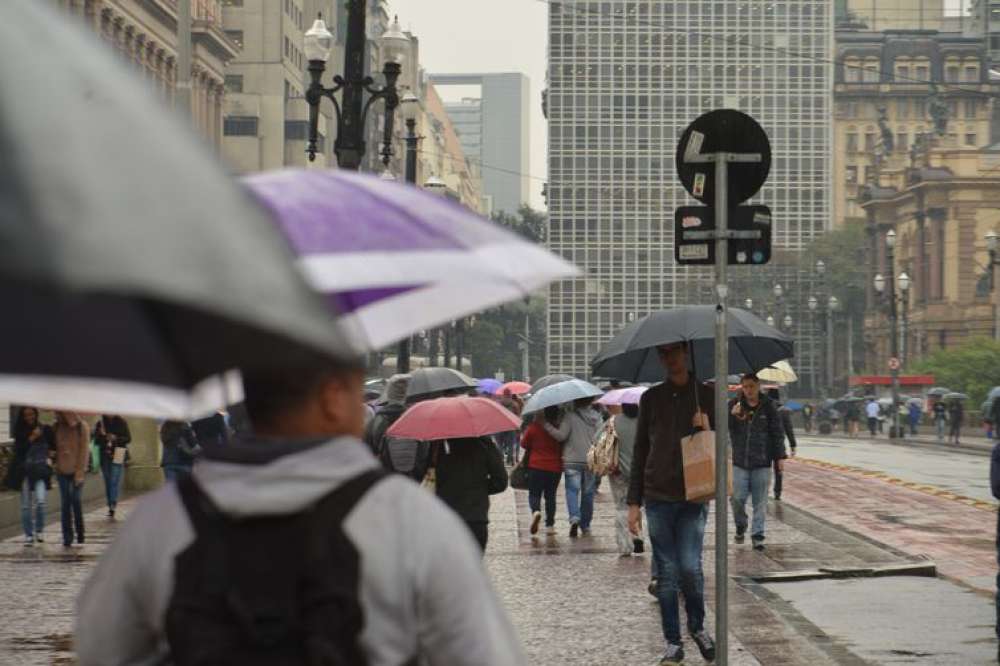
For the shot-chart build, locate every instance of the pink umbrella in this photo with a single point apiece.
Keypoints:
(631, 395)
(452, 418)
(516, 388)
(612, 397)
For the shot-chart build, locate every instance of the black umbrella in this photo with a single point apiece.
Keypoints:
(631, 355)
(549, 380)
(427, 382)
(131, 266)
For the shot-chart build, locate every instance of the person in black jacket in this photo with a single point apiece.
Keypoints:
(180, 448)
(112, 435)
(30, 472)
(468, 471)
(395, 405)
(755, 431)
(785, 415)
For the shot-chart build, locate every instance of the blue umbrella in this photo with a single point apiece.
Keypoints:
(560, 394)
(793, 405)
(488, 385)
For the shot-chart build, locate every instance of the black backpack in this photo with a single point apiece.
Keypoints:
(277, 590)
(408, 457)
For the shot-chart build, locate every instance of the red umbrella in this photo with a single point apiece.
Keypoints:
(452, 418)
(517, 388)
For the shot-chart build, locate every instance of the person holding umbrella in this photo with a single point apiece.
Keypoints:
(576, 431)
(667, 413)
(543, 459)
(786, 426)
(956, 415)
(468, 471)
(387, 414)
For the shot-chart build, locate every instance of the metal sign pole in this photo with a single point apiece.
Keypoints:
(721, 412)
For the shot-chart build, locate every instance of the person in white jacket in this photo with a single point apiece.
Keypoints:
(422, 589)
(576, 433)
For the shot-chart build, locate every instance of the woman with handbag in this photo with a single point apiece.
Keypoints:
(30, 472)
(626, 418)
(543, 462)
(112, 435)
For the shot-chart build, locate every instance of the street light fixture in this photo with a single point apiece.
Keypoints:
(879, 283)
(317, 43)
(890, 239)
(813, 303)
(820, 267)
(778, 291)
(787, 321)
(770, 320)
(748, 303)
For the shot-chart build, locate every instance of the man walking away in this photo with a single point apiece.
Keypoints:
(758, 442)
(956, 414)
(807, 416)
(395, 405)
(72, 435)
(914, 413)
(786, 426)
(940, 411)
(291, 546)
(668, 412)
(576, 432)
(872, 410)
(469, 470)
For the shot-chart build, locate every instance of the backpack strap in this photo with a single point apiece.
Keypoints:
(336, 505)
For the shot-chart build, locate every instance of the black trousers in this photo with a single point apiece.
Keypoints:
(481, 531)
(777, 479)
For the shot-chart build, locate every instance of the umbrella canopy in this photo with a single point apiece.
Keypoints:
(561, 393)
(488, 386)
(418, 260)
(780, 372)
(433, 381)
(938, 391)
(549, 380)
(623, 396)
(631, 355)
(517, 388)
(955, 396)
(137, 275)
(452, 418)
(612, 397)
(794, 405)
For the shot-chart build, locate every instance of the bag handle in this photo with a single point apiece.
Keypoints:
(694, 382)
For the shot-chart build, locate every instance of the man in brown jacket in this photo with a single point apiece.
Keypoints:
(72, 436)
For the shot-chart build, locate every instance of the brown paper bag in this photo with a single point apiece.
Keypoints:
(118, 457)
(698, 451)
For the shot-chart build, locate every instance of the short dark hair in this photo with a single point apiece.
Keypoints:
(751, 376)
(630, 409)
(273, 391)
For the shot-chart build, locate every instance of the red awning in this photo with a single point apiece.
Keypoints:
(886, 380)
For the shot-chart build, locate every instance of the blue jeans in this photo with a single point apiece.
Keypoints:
(580, 486)
(33, 491)
(112, 474)
(750, 483)
(677, 532)
(176, 472)
(72, 508)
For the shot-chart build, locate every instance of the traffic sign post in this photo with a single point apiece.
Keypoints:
(741, 153)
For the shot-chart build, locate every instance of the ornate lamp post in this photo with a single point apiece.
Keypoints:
(350, 144)
(991, 246)
(748, 303)
(880, 284)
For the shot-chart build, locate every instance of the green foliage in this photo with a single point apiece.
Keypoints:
(843, 252)
(492, 343)
(528, 222)
(972, 368)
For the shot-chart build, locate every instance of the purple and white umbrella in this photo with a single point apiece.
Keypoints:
(393, 259)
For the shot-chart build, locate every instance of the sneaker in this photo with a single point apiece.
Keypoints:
(705, 645)
(585, 531)
(653, 587)
(777, 498)
(536, 518)
(550, 530)
(758, 543)
(29, 542)
(79, 539)
(111, 514)
(674, 656)
(39, 538)
(740, 536)
(574, 531)
(638, 547)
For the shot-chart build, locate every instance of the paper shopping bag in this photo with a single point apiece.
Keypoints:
(698, 451)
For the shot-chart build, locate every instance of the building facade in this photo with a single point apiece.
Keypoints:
(625, 79)
(885, 86)
(144, 34)
(498, 123)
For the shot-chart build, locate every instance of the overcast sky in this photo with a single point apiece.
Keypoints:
(486, 36)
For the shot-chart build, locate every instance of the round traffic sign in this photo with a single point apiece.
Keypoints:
(894, 363)
(723, 130)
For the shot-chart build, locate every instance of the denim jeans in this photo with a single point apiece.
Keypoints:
(541, 482)
(750, 483)
(176, 472)
(112, 474)
(32, 492)
(72, 507)
(623, 537)
(677, 532)
(580, 486)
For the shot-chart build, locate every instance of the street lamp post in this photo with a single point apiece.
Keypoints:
(832, 305)
(403, 353)
(880, 285)
(991, 246)
(749, 304)
(903, 282)
(813, 304)
(317, 43)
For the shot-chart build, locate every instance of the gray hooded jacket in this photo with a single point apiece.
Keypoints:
(422, 586)
(576, 433)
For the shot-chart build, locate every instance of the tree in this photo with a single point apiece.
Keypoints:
(528, 223)
(972, 368)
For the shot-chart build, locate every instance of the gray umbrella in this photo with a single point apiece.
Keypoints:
(560, 394)
(938, 391)
(549, 380)
(955, 396)
(427, 382)
(133, 266)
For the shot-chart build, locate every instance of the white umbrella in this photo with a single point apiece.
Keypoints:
(780, 372)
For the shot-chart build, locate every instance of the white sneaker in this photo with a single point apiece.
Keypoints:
(536, 519)
(29, 541)
(551, 530)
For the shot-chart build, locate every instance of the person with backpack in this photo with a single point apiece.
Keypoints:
(758, 441)
(292, 546)
(112, 436)
(543, 459)
(469, 470)
(72, 437)
(785, 415)
(395, 405)
(180, 449)
(30, 472)
(575, 432)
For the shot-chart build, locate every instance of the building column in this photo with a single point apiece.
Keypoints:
(143, 472)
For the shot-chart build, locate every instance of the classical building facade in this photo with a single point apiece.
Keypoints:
(885, 86)
(144, 34)
(941, 200)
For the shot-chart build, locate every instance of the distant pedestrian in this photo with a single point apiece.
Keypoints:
(758, 442)
(545, 468)
(213, 430)
(625, 423)
(995, 487)
(468, 471)
(914, 412)
(956, 415)
(112, 436)
(872, 412)
(853, 417)
(30, 471)
(669, 412)
(180, 449)
(72, 437)
(789, 431)
(940, 412)
(808, 413)
(386, 415)
(508, 440)
(576, 432)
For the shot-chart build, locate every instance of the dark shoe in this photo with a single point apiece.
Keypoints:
(777, 497)
(653, 587)
(79, 539)
(638, 547)
(536, 518)
(740, 536)
(705, 645)
(39, 538)
(574, 531)
(758, 543)
(674, 656)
